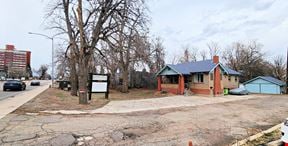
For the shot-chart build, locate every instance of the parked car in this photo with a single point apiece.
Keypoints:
(35, 83)
(14, 85)
(284, 131)
(239, 91)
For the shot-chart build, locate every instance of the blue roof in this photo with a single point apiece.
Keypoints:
(231, 71)
(199, 66)
(269, 79)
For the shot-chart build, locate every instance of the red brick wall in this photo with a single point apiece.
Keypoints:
(201, 91)
(28, 57)
(171, 90)
(217, 77)
(10, 47)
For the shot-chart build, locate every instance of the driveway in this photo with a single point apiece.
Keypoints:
(126, 106)
(209, 124)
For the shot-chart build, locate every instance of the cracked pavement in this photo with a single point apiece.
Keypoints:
(214, 124)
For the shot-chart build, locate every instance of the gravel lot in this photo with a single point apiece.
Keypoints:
(214, 124)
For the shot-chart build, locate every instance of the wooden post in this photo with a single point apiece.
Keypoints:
(159, 83)
(190, 143)
(181, 84)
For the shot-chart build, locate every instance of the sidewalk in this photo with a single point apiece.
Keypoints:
(8, 105)
(126, 106)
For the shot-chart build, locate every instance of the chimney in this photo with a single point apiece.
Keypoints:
(10, 47)
(216, 59)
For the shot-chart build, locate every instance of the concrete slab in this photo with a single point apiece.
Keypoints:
(127, 106)
(63, 139)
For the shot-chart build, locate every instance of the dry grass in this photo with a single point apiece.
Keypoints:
(56, 99)
(266, 138)
(132, 94)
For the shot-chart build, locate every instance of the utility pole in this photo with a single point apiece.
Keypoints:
(52, 46)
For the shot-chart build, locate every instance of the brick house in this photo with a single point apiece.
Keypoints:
(208, 77)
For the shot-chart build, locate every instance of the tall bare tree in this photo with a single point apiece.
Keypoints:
(247, 59)
(189, 54)
(214, 49)
(279, 68)
(157, 58)
(129, 36)
(203, 54)
(85, 23)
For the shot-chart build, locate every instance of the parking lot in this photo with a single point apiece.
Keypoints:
(7, 94)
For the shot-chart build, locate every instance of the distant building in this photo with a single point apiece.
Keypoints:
(15, 63)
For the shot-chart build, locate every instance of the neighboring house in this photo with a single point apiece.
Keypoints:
(207, 77)
(265, 85)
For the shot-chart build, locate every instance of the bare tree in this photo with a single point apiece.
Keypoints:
(85, 23)
(203, 54)
(157, 59)
(189, 54)
(279, 67)
(247, 59)
(214, 49)
(129, 36)
(42, 72)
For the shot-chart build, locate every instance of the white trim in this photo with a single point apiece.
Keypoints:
(222, 66)
(165, 68)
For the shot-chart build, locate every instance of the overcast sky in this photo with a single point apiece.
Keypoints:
(177, 22)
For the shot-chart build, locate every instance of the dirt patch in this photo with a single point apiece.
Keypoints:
(133, 94)
(55, 99)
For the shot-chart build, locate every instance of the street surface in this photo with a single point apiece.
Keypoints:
(210, 124)
(7, 94)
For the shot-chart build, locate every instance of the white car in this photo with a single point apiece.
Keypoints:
(284, 131)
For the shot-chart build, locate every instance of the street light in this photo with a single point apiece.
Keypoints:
(52, 41)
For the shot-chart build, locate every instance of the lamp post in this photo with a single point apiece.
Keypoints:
(52, 43)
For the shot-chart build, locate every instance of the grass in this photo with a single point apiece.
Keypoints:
(56, 99)
(266, 138)
(133, 94)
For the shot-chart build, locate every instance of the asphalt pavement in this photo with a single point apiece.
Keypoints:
(7, 94)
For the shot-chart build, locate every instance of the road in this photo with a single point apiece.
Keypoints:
(212, 124)
(7, 94)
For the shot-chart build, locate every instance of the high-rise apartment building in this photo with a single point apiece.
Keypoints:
(14, 61)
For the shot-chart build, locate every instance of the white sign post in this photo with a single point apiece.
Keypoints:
(99, 83)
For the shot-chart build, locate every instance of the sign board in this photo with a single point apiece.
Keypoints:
(99, 78)
(99, 86)
(98, 83)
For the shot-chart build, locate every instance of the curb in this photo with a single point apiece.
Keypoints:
(275, 143)
(253, 137)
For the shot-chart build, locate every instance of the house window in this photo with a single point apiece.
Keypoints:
(211, 76)
(229, 78)
(198, 78)
(236, 79)
(174, 79)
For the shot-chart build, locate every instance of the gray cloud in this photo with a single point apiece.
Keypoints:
(261, 6)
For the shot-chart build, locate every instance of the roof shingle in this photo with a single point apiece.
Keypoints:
(199, 66)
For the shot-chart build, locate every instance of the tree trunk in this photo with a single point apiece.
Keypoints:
(125, 80)
(113, 79)
(73, 78)
(82, 80)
